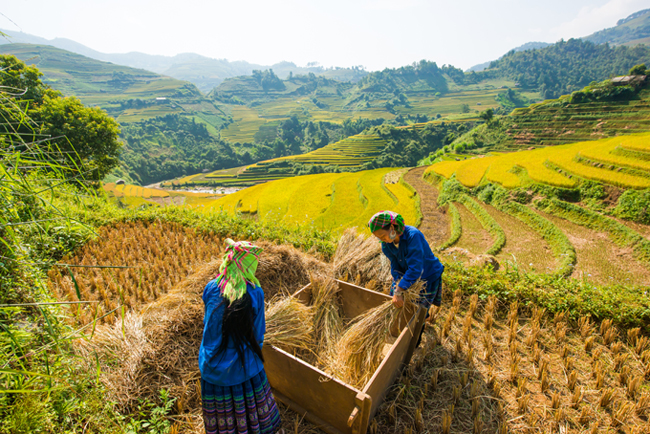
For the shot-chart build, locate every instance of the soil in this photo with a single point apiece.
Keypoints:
(435, 220)
(474, 237)
(600, 260)
(524, 246)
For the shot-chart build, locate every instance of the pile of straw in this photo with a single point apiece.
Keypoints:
(359, 258)
(289, 325)
(328, 323)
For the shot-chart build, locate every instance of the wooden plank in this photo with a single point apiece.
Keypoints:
(355, 300)
(320, 423)
(317, 392)
(364, 401)
(421, 317)
(392, 364)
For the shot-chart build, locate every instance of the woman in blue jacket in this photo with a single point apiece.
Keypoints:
(235, 392)
(410, 257)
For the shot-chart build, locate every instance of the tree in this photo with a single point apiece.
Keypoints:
(487, 115)
(638, 70)
(81, 139)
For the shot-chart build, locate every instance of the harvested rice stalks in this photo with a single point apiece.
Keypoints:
(359, 352)
(328, 324)
(289, 325)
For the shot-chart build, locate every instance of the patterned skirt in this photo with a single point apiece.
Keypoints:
(246, 408)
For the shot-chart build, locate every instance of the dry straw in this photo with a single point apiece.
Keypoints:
(289, 325)
(359, 352)
(327, 321)
(359, 258)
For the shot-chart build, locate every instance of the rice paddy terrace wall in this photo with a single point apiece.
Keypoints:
(579, 239)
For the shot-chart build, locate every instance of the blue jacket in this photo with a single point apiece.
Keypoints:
(413, 259)
(226, 369)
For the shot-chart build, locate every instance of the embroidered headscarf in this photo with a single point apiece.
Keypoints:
(238, 267)
(383, 220)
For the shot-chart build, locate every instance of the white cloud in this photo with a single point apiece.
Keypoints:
(591, 19)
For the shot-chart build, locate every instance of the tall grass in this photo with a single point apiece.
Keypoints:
(40, 382)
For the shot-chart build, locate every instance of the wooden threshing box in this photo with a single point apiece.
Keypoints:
(336, 407)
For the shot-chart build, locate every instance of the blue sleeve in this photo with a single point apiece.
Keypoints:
(259, 322)
(393, 267)
(414, 261)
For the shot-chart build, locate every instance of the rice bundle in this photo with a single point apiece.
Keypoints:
(359, 352)
(359, 258)
(328, 324)
(289, 325)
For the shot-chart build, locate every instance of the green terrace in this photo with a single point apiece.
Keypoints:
(348, 154)
(552, 124)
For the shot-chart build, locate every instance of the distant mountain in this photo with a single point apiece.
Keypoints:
(526, 46)
(632, 30)
(205, 72)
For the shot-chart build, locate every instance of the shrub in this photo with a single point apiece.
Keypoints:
(634, 205)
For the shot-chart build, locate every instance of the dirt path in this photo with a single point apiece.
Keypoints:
(435, 221)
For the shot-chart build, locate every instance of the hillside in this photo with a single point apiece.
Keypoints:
(632, 30)
(599, 110)
(566, 66)
(127, 94)
(204, 72)
(379, 146)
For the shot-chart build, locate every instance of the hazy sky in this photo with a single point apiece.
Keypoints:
(372, 33)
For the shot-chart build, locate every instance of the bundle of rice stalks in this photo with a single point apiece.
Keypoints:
(359, 258)
(328, 324)
(359, 352)
(289, 325)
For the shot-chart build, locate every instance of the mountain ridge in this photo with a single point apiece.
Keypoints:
(205, 72)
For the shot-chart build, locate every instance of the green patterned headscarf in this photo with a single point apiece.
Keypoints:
(383, 220)
(238, 267)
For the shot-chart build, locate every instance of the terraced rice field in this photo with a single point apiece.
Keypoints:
(599, 259)
(247, 123)
(349, 153)
(524, 247)
(329, 201)
(474, 237)
(620, 161)
(554, 124)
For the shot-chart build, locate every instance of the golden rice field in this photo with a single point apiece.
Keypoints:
(330, 201)
(602, 160)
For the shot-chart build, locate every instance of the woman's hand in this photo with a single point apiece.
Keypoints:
(398, 299)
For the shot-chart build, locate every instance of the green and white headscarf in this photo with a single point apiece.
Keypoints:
(238, 267)
(383, 220)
